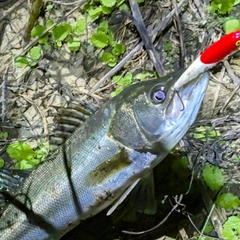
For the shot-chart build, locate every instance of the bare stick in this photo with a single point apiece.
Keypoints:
(35, 11)
(231, 74)
(65, 3)
(229, 98)
(180, 35)
(3, 97)
(142, 30)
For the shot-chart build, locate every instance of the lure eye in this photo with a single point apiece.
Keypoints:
(158, 96)
(238, 43)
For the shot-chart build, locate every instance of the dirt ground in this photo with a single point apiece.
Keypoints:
(30, 95)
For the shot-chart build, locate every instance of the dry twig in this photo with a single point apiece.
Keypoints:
(142, 30)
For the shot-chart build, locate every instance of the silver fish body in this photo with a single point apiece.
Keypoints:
(117, 145)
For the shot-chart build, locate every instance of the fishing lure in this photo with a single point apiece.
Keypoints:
(217, 52)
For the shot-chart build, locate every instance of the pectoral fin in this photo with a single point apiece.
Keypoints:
(123, 197)
(143, 196)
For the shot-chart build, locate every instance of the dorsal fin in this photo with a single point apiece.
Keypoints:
(68, 119)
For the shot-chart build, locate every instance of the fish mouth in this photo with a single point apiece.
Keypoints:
(182, 110)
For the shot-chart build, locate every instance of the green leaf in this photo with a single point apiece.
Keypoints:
(74, 44)
(118, 49)
(112, 63)
(223, 6)
(117, 91)
(20, 151)
(120, 2)
(168, 46)
(231, 228)
(43, 40)
(199, 136)
(112, 42)
(213, 177)
(46, 47)
(228, 201)
(231, 25)
(128, 79)
(204, 238)
(236, 2)
(124, 7)
(25, 156)
(108, 3)
(103, 27)
(204, 132)
(24, 164)
(21, 61)
(37, 31)
(61, 32)
(99, 40)
(109, 59)
(116, 78)
(106, 10)
(208, 228)
(35, 52)
(80, 27)
(1, 162)
(213, 7)
(180, 167)
(123, 81)
(141, 76)
(49, 23)
(49, 7)
(41, 151)
(4, 135)
(95, 13)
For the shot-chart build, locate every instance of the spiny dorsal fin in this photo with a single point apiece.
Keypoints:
(68, 119)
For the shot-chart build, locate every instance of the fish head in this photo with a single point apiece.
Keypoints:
(154, 117)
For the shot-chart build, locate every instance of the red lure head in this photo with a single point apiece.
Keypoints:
(222, 48)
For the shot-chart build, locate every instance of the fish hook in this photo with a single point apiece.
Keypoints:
(176, 91)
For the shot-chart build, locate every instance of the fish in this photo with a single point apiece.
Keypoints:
(102, 159)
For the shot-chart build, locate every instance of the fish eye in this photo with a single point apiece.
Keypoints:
(238, 43)
(158, 95)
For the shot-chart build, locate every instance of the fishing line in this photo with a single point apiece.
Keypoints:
(178, 203)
